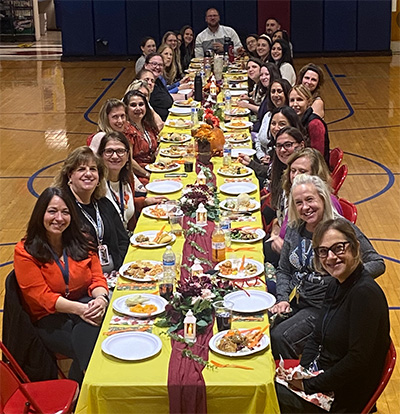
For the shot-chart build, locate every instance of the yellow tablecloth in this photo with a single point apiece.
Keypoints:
(114, 386)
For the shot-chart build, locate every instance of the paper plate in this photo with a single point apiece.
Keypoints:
(260, 235)
(182, 138)
(238, 188)
(173, 123)
(180, 111)
(238, 92)
(164, 186)
(241, 275)
(238, 112)
(151, 234)
(255, 205)
(257, 301)
(146, 278)
(248, 171)
(147, 211)
(239, 124)
(173, 167)
(264, 342)
(186, 104)
(132, 346)
(120, 306)
(185, 91)
(236, 138)
(247, 151)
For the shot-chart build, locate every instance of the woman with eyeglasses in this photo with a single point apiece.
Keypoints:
(161, 100)
(351, 338)
(300, 287)
(114, 149)
(82, 177)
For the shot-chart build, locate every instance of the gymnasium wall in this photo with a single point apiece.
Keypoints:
(101, 28)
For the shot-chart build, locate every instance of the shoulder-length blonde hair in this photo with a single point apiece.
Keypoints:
(82, 156)
(304, 92)
(176, 51)
(170, 73)
(103, 122)
(294, 219)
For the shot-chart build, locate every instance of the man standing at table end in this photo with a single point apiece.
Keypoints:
(213, 36)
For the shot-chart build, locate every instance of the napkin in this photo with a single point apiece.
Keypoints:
(186, 386)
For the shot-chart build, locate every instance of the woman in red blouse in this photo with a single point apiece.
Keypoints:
(61, 280)
(141, 130)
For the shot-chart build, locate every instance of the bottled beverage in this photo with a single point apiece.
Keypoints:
(207, 63)
(198, 88)
(226, 227)
(230, 52)
(227, 156)
(228, 100)
(166, 283)
(169, 262)
(203, 79)
(194, 118)
(218, 244)
(226, 61)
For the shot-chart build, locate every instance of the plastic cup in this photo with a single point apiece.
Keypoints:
(223, 314)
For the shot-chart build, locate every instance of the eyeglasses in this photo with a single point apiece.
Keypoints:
(156, 65)
(337, 249)
(109, 152)
(287, 145)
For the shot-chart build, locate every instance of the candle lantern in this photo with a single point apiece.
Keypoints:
(201, 178)
(201, 215)
(189, 326)
(197, 269)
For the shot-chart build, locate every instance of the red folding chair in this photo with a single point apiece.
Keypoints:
(338, 178)
(349, 210)
(18, 395)
(390, 362)
(335, 159)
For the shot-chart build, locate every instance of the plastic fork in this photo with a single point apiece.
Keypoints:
(217, 364)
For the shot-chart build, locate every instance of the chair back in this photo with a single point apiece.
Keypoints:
(338, 178)
(390, 362)
(335, 159)
(9, 384)
(349, 210)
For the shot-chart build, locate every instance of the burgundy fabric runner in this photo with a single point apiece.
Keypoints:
(186, 386)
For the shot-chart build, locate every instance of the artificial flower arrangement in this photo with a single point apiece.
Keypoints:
(198, 294)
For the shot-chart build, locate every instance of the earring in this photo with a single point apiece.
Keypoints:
(69, 182)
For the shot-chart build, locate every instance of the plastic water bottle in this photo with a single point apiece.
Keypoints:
(227, 155)
(228, 100)
(226, 227)
(194, 118)
(168, 262)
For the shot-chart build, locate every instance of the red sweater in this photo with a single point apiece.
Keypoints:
(43, 283)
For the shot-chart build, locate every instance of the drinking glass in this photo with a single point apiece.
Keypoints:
(223, 314)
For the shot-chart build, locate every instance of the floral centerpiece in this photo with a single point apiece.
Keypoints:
(198, 294)
(195, 194)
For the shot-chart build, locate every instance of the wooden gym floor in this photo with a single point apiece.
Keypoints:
(48, 108)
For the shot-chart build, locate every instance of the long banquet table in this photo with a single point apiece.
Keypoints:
(115, 386)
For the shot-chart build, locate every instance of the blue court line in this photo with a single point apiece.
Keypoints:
(394, 308)
(5, 264)
(386, 169)
(8, 244)
(368, 173)
(106, 80)
(12, 178)
(391, 259)
(349, 107)
(34, 175)
(340, 76)
(86, 114)
(386, 240)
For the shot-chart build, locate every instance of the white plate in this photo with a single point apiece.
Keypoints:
(180, 111)
(238, 92)
(185, 138)
(148, 278)
(257, 301)
(132, 346)
(237, 188)
(238, 112)
(147, 212)
(240, 140)
(231, 125)
(248, 151)
(260, 235)
(172, 123)
(223, 204)
(172, 167)
(228, 174)
(241, 275)
(164, 186)
(264, 342)
(150, 234)
(185, 91)
(236, 71)
(184, 104)
(120, 306)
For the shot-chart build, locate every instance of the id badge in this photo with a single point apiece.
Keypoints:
(103, 254)
(293, 293)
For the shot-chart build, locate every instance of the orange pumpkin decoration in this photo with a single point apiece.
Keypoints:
(214, 135)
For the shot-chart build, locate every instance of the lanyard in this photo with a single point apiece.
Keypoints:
(146, 135)
(64, 269)
(120, 202)
(98, 225)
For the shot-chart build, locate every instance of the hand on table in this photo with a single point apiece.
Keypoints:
(218, 47)
(185, 86)
(149, 201)
(244, 159)
(243, 103)
(281, 307)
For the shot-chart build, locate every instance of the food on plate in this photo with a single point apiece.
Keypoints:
(163, 165)
(180, 123)
(158, 211)
(240, 204)
(238, 124)
(236, 340)
(229, 268)
(237, 136)
(238, 111)
(243, 234)
(175, 151)
(174, 137)
(233, 169)
(187, 102)
(135, 300)
(143, 269)
(143, 308)
(160, 238)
